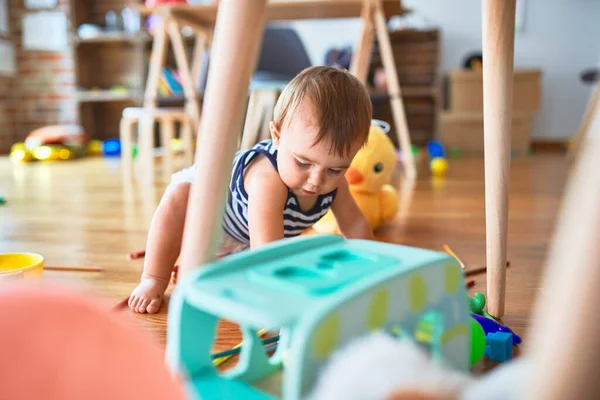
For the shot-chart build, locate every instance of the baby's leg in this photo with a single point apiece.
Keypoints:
(162, 249)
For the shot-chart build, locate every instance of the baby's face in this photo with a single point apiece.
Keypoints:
(309, 169)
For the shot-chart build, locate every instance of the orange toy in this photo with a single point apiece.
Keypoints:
(57, 344)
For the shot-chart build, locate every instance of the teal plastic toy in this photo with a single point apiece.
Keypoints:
(318, 292)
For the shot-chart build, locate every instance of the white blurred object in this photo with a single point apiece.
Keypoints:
(376, 366)
(40, 3)
(413, 20)
(131, 20)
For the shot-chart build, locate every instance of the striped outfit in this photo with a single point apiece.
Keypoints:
(295, 220)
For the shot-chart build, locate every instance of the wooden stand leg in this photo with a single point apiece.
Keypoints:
(167, 133)
(157, 62)
(253, 119)
(387, 58)
(237, 40)
(565, 327)
(145, 162)
(126, 136)
(192, 106)
(187, 141)
(362, 57)
(268, 105)
(498, 53)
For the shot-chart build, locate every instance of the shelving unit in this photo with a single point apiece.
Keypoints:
(417, 57)
(110, 67)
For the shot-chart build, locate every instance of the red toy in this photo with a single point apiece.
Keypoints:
(155, 3)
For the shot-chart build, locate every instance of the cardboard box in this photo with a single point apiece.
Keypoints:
(466, 91)
(464, 132)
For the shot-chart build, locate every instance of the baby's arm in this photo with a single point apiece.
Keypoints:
(162, 249)
(350, 220)
(267, 195)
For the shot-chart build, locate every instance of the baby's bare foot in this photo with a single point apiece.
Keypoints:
(148, 296)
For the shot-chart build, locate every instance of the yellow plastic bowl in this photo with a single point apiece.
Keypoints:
(21, 265)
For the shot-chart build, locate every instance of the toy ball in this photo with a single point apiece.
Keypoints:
(111, 147)
(435, 149)
(19, 153)
(477, 342)
(53, 153)
(438, 166)
(94, 147)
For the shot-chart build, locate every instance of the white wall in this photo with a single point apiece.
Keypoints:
(562, 37)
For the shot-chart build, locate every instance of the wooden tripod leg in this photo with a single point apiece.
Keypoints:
(126, 134)
(237, 40)
(167, 134)
(187, 140)
(362, 57)
(157, 62)
(192, 106)
(145, 161)
(498, 53)
(389, 65)
(251, 132)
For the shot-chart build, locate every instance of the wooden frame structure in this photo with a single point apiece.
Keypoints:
(235, 52)
(564, 331)
(202, 19)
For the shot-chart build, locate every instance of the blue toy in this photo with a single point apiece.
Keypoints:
(319, 292)
(491, 326)
(435, 150)
(499, 346)
(111, 147)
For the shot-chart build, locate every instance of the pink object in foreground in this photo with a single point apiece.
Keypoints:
(58, 344)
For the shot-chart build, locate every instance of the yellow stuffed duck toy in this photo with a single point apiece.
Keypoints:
(369, 177)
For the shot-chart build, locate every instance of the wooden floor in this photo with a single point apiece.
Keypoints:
(79, 213)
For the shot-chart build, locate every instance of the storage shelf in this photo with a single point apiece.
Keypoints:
(107, 37)
(86, 96)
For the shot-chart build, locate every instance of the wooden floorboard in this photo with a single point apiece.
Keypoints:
(80, 213)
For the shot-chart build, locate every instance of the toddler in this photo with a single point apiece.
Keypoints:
(280, 187)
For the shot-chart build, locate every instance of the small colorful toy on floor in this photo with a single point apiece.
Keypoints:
(438, 164)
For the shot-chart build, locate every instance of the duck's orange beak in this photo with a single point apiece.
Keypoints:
(353, 176)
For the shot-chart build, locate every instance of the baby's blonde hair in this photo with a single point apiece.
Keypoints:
(340, 103)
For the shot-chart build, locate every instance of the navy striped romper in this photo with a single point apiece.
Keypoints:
(295, 221)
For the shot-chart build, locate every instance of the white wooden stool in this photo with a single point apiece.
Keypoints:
(166, 118)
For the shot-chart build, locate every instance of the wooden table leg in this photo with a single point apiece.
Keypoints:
(361, 58)
(187, 81)
(565, 327)
(389, 65)
(498, 54)
(238, 35)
